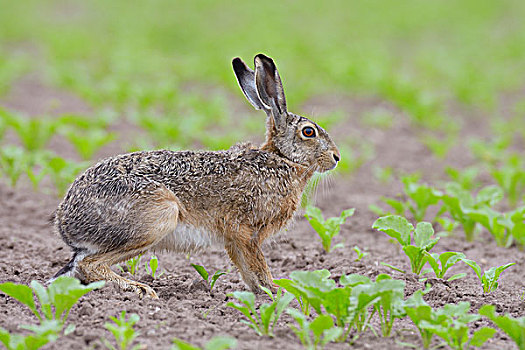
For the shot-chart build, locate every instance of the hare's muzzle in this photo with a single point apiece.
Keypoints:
(335, 158)
(336, 155)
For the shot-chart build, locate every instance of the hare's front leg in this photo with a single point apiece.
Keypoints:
(249, 259)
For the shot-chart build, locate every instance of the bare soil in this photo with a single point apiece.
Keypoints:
(30, 250)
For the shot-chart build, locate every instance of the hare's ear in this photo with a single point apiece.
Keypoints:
(246, 79)
(269, 87)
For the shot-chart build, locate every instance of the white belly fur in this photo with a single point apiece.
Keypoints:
(187, 238)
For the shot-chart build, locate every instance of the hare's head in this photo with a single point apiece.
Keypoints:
(292, 136)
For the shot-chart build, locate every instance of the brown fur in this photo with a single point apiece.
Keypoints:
(186, 201)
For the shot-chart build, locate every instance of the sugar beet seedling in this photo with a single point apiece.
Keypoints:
(400, 229)
(489, 279)
(206, 276)
(329, 228)
(56, 302)
(123, 332)
(264, 321)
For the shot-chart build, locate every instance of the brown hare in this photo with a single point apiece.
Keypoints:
(187, 201)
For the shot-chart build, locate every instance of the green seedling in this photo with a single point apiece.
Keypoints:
(383, 174)
(88, 142)
(467, 177)
(451, 324)
(329, 228)
(215, 343)
(55, 301)
(439, 146)
(418, 311)
(385, 295)
(101, 120)
(400, 229)
(133, 264)
(165, 133)
(444, 261)
(495, 223)
(511, 177)
(514, 223)
(419, 197)
(360, 253)
(314, 288)
(34, 133)
(448, 226)
(349, 304)
(460, 204)
(46, 332)
(489, 278)
(123, 332)
(206, 276)
(152, 266)
(314, 335)
(490, 152)
(301, 280)
(514, 327)
(62, 171)
(14, 161)
(263, 322)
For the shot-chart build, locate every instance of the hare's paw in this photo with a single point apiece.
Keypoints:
(143, 290)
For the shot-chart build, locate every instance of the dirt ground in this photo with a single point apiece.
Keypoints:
(30, 250)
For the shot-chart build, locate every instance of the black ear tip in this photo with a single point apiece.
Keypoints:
(262, 56)
(264, 60)
(237, 62)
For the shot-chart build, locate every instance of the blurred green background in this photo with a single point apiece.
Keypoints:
(165, 66)
(410, 52)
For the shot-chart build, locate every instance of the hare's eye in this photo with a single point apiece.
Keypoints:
(308, 132)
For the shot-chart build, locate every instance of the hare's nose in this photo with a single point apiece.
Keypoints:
(336, 156)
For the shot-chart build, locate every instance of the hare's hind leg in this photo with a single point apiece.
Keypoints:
(158, 215)
(97, 268)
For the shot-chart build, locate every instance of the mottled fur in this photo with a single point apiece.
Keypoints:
(187, 201)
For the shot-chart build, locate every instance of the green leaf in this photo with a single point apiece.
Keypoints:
(179, 344)
(314, 213)
(513, 327)
(331, 335)
(490, 195)
(153, 265)
(353, 280)
(417, 257)
(396, 227)
(346, 214)
(457, 277)
(22, 293)
(422, 236)
(392, 267)
(43, 298)
(221, 343)
(481, 336)
(202, 271)
(65, 291)
(474, 265)
(215, 277)
(266, 312)
(398, 206)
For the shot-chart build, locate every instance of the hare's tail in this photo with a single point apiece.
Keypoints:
(71, 267)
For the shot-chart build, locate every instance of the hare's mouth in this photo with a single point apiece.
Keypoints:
(326, 167)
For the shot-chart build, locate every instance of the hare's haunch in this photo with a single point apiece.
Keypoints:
(188, 201)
